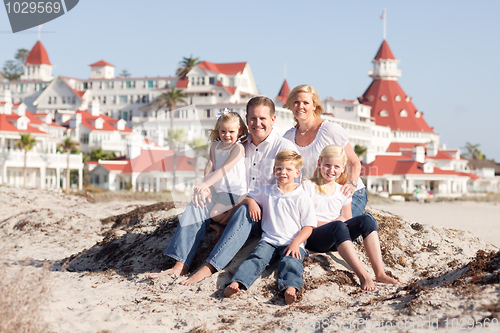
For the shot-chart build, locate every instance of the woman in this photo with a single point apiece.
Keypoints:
(311, 134)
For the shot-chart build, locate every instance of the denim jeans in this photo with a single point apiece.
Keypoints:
(192, 226)
(290, 269)
(329, 236)
(359, 200)
(236, 233)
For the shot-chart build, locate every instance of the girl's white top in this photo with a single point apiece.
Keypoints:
(328, 134)
(327, 207)
(235, 180)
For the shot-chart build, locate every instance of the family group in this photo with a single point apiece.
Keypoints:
(298, 192)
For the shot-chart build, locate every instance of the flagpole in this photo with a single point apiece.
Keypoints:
(385, 26)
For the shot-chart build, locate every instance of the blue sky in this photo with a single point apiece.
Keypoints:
(449, 49)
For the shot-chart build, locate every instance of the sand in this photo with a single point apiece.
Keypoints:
(98, 266)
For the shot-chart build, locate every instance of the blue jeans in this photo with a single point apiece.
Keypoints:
(329, 236)
(290, 269)
(359, 200)
(192, 227)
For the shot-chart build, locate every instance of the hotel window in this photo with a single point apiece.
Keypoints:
(150, 84)
(74, 100)
(211, 80)
(85, 85)
(383, 98)
(50, 100)
(64, 100)
(114, 99)
(128, 84)
(103, 99)
(397, 98)
(123, 99)
(208, 113)
(348, 108)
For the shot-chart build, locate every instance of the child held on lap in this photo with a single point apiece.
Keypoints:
(287, 221)
(336, 227)
(225, 170)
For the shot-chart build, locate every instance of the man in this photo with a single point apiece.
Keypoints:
(261, 148)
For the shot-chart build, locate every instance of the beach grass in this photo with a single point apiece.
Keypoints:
(24, 293)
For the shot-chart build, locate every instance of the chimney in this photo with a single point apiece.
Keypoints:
(95, 109)
(418, 154)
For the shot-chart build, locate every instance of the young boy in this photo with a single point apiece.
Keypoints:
(287, 221)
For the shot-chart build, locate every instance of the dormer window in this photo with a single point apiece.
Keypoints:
(370, 98)
(383, 98)
(418, 114)
(384, 113)
(408, 98)
(403, 113)
(397, 98)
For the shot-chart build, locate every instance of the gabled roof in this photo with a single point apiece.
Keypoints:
(101, 63)
(384, 52)
(5, 125)
(224, 68)
(110, 124)
(395, 147)
(441, 155)
(390, 89)
(38, 55)
(284, 92)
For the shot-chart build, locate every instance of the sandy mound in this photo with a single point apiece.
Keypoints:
(105, 252)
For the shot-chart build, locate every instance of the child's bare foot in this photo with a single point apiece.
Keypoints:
(367, 284)
(290, 295)
(179, 269)
(205, 271)
(232, 289)
(387, 279)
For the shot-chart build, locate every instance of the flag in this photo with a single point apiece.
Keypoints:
(383, 15)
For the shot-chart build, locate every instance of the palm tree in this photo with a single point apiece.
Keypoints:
(473, 152)
(25, 143)
(68, 145)
(360, 150)
(170, 98)
(174, 137)
(199, 145)
(186, 65)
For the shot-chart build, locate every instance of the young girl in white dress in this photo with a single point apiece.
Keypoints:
(225, 170)
(336, 227)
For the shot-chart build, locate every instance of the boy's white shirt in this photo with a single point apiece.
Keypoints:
(283, 214)
(327, 207)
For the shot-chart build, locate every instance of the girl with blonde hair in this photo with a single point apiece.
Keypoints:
(336, 227)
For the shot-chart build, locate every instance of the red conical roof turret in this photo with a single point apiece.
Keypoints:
(384, 52)
(38, 55)
(284, 92)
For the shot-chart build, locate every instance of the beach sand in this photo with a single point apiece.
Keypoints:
(99, 255)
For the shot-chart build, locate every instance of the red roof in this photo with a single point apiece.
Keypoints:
(225, 68)
(395, 147)
(5, 125)
(441, 156)
(284, 92)
(398, 165)
(384, 52)
(390, 89)
(38, 55)
(182, 83)
(108, 125)
(101, 63)
(231, 90)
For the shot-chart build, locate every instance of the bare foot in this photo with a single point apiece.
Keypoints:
(232, 289)
(387, 279)
(205, 271)
(290, 295)
(367, 284)
(179, 269)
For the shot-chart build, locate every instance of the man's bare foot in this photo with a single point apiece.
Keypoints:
(290, 295)
(387, 279)
(232, 289)
(179, 269)
(205, 271)
(367, 284)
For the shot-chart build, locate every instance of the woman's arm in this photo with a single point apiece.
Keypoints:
(237, 153)
(354, 172)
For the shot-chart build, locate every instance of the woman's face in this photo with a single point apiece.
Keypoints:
(303, 106)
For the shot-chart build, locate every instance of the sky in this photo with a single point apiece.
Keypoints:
(448, 49)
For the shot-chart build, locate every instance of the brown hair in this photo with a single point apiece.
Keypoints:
(289, 155)
(261, 100)
(330, 151)
(304, 88)
(225, 118)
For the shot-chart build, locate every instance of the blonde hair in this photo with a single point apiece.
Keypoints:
(289, 155)
(330, 151)
(226, 118)
(304, 88)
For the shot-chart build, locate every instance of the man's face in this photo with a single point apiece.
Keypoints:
(260, 123)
